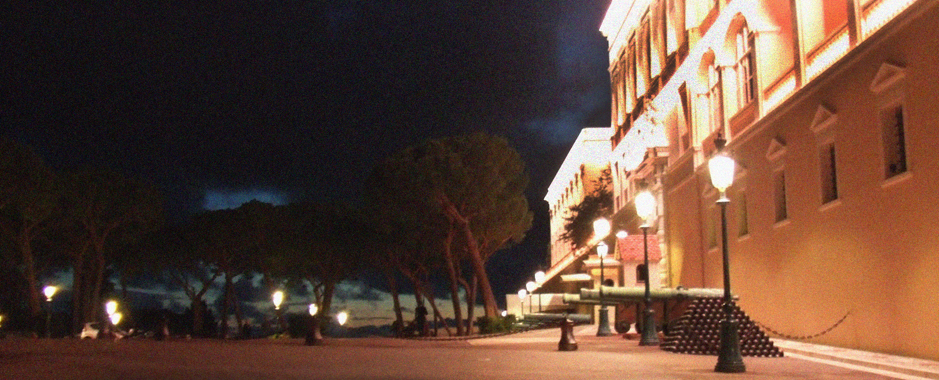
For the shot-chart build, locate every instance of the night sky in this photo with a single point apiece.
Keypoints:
(219, 102)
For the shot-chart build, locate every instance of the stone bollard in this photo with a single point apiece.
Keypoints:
(567, 342)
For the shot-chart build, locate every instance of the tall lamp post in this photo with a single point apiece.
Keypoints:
(539, 279)
(521, 299)
(721, 168)
(531, 286)
(601, 228)
(277, 298)
(49, 291)
(645, 208)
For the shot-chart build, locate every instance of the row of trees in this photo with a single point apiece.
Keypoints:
(80, 219)
(448, 205)
(443, 206)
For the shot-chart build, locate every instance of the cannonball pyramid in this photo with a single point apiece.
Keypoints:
(698, 329)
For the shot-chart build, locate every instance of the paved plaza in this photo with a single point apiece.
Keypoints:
(530, 355)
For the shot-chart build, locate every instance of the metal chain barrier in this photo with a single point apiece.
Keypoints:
(802, 337)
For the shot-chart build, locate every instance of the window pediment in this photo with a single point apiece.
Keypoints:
(777, 148)
(887, 76)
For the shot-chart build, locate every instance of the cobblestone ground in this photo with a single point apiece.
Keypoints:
(531, 355)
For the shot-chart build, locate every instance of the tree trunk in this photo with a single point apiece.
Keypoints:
(226, 305)
(328, 292)
(77, 307)
(454, 283)
(470, 303)
(479, 269)
(393, 286)
(29, 273)
(197, 317)
(437, 314)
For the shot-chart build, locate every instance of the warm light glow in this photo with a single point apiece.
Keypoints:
(721, 167)
(645, 205)
(313, 309)
(49, 291)
(877, 15)
(342, 317)
(602, 249)
(522, 293)
(278, 298)
(531, 286)
(622, 234)
(504, 313)
(539, 277)
(115, 318)
(110, 307)
(601, 228)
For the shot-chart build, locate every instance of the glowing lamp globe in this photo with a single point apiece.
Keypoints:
(278, 298)
(313, 309)
(115, 318)
(602, 249)
(531, 286)
(645, 205)
(110, 307)
(342, 317)
(522, 293)
(622, 234)
(721, 168)
(539, 277)
(49, 291)
(601, 228)
(504, 313)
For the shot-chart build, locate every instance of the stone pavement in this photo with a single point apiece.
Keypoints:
(890, 366)
(529, 355)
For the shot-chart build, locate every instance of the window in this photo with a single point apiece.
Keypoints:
(829, 172)
(894, 138)
(641, 274)
(715, 101)
(746, 82)
(779, 191)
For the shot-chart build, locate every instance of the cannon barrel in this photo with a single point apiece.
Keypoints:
(623, 294)
(575, 299)
(576, 318)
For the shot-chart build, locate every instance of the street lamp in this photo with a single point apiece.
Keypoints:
(539, 279)
(521, 299)
(721, 168)
(342, 317)
(531, 286)
(278, 299)
(49, 291)
(111, 308)
(115, 318)
(604, 328)
(645, 208)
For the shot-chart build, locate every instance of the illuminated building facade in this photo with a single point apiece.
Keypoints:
(829, 109)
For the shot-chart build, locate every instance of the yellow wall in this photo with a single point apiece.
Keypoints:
(875, 251)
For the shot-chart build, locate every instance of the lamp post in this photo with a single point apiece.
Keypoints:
(278, 298)
(531, 286)
(721, 168)
(645, 208)
(521, 299)
(601, 228)
(111, 308)
(539, 279)
(49, 291)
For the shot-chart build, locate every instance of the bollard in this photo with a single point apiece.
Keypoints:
(567, 342)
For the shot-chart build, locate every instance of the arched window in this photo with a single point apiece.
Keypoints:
(746, 83)
(715, 98)
(641, 274)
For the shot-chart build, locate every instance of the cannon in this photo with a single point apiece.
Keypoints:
(673, 301)
(557, 318)
(575, 299)
(638, 294)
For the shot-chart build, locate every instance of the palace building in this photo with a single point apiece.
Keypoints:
(827, 108)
